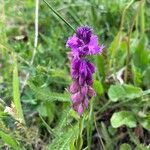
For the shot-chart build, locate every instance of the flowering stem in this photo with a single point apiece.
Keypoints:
(69, 25)
(89, 125)
(80, 140)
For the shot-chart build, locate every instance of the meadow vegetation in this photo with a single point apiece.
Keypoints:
(35, 105)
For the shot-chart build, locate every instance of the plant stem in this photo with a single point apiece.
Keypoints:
(128, 41)
(35, 44)
(142, 18)
(89, 125)
(80, 140)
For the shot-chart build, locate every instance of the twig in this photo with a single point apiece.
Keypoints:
(35, 44)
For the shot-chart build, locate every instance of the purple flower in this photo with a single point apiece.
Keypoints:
(83, 42)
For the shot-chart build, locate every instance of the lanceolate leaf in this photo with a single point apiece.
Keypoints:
(16, 92)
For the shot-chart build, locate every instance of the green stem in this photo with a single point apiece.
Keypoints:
(128, 41)
(69, 25)
(80, 140)
(118, 36)
(89, 125)
(142, 19)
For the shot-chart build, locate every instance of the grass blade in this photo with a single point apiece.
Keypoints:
(69, 25)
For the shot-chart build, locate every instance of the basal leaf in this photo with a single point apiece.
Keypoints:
(123, 118)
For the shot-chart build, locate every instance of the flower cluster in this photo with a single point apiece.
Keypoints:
(82, 43)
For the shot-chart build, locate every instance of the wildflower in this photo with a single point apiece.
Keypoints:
(82, 43)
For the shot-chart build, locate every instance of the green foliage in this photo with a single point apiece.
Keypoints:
(119, 115)
(16, 92)
(8, 139)
(125, 147)
(121, 92)
(123, 118)
(46, 95)
(64, 140)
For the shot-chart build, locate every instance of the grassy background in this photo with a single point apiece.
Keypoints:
(118, 117)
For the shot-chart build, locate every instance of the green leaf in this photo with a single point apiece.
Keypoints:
(65, 139)
(123, 118)
(47, 95)
(98, 87)
(125, 146)
(120, 92)
(137, 75)
(16, 92)
(115, 44)
(8, 139)
(100, 67)
(141, 55)
(106, 135)
(145, 122)
(56, 13)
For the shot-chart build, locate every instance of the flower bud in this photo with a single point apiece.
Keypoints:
(74, 87)
(77, 97)
(80, 110)
(91, 92)
(84, 90)
(86, 102)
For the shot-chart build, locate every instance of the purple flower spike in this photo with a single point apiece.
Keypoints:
(82, 43)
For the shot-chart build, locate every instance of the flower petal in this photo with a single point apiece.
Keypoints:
(93, 46)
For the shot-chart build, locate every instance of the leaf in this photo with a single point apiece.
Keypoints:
(120, 92)
(115, 44)
(125, 146)
(106, 135)
(100, 67)
(145, 122)
(123, 118)
(63, 141)
(141, 56)
(10, 140)
(16, 92)
(137, 75)
(47, 95)
(98, 87)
